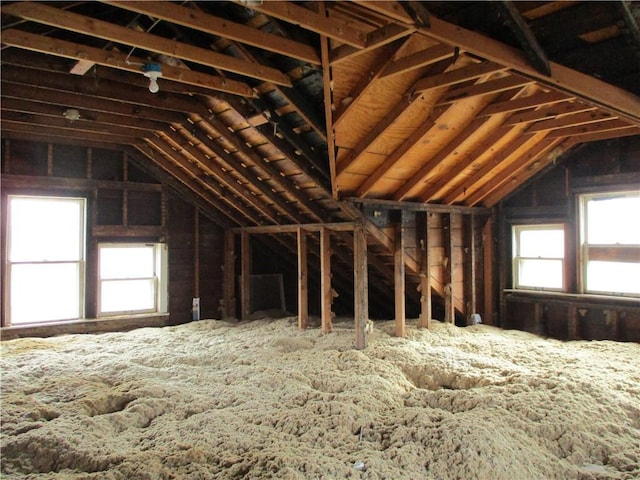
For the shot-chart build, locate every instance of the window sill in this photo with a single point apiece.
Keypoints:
(115, 323)
(574, 298)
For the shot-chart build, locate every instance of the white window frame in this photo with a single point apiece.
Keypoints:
(589, 250)
(160, 279)
(517, 258)
(80, 262)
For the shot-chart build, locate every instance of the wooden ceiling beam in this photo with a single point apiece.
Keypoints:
(237, 32)
(239, 190)
(316, 22)
(419, 59)
(120, 61)
(378, 38)
(584, 118)
(207, 206)
(532, 148)
(83, 125)
(222, 216)
(604, 135)
(391, 9)
(226, 161)
(33, 136)
(489, 87)
(539, 99)
(86, 104)
(198, 176)
(373, 133)
(616, 100)
(383, 60)
(610, 126)
(214, 126)
(446, 179)
(28, 106)
(399, 152)
(10, 126)
(482, 175)
(55, 17)
(459, 75)
(419, 177)
(554, 111)
(528, 41)
(105, 90)
(529, 168)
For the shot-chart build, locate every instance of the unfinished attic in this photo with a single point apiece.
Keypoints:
(374, 239)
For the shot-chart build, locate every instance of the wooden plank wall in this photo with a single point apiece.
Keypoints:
(124, 204)
(551, 198)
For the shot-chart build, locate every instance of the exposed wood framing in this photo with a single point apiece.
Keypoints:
(245, 276)
(424, 258)
(326, 291)
(399, 279)
(303, 280)
(449, 304)
(229, 296)
(360, 287)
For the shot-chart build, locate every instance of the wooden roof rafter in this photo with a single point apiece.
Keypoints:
(114, 59)
(233, 169)
(199, 20)
(67, 20)
(173, 155)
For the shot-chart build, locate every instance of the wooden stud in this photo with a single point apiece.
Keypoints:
(572, 323)
(325, 281)
(245, 276)
(487, 255)
(50, 160)
(229, 307)
(303, 280)
(422, 240)
(470, 264)
(360, 286)
(196, 252)
(399, 280)
(449, 314)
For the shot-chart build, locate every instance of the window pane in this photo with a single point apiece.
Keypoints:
(127, 295)
(44, 292)
(613, 277)
(46, 229)
(542, 243)
(126, 262)
(540, 273)
(609, 221)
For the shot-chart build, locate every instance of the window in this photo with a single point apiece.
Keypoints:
(45, 260)
(610, 243)
(132, 278)
(538, 257)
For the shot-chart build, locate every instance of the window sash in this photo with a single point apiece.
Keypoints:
(543, 272)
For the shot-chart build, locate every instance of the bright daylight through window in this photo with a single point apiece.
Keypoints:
(538, 256)
(611, 243)
(132, 278)
(46, 253)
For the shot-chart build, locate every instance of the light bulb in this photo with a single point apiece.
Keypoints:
(153, 85)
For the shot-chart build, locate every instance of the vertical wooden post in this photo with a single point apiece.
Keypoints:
(325, 280)
(89, 169)
(229, 310)
(470, 268)
(196, 253)
(398, 276)
(245, 282)
(422, 240)
(360, 286)
(303, 280)
(328, 104)
(487, 257)
(449, 306)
